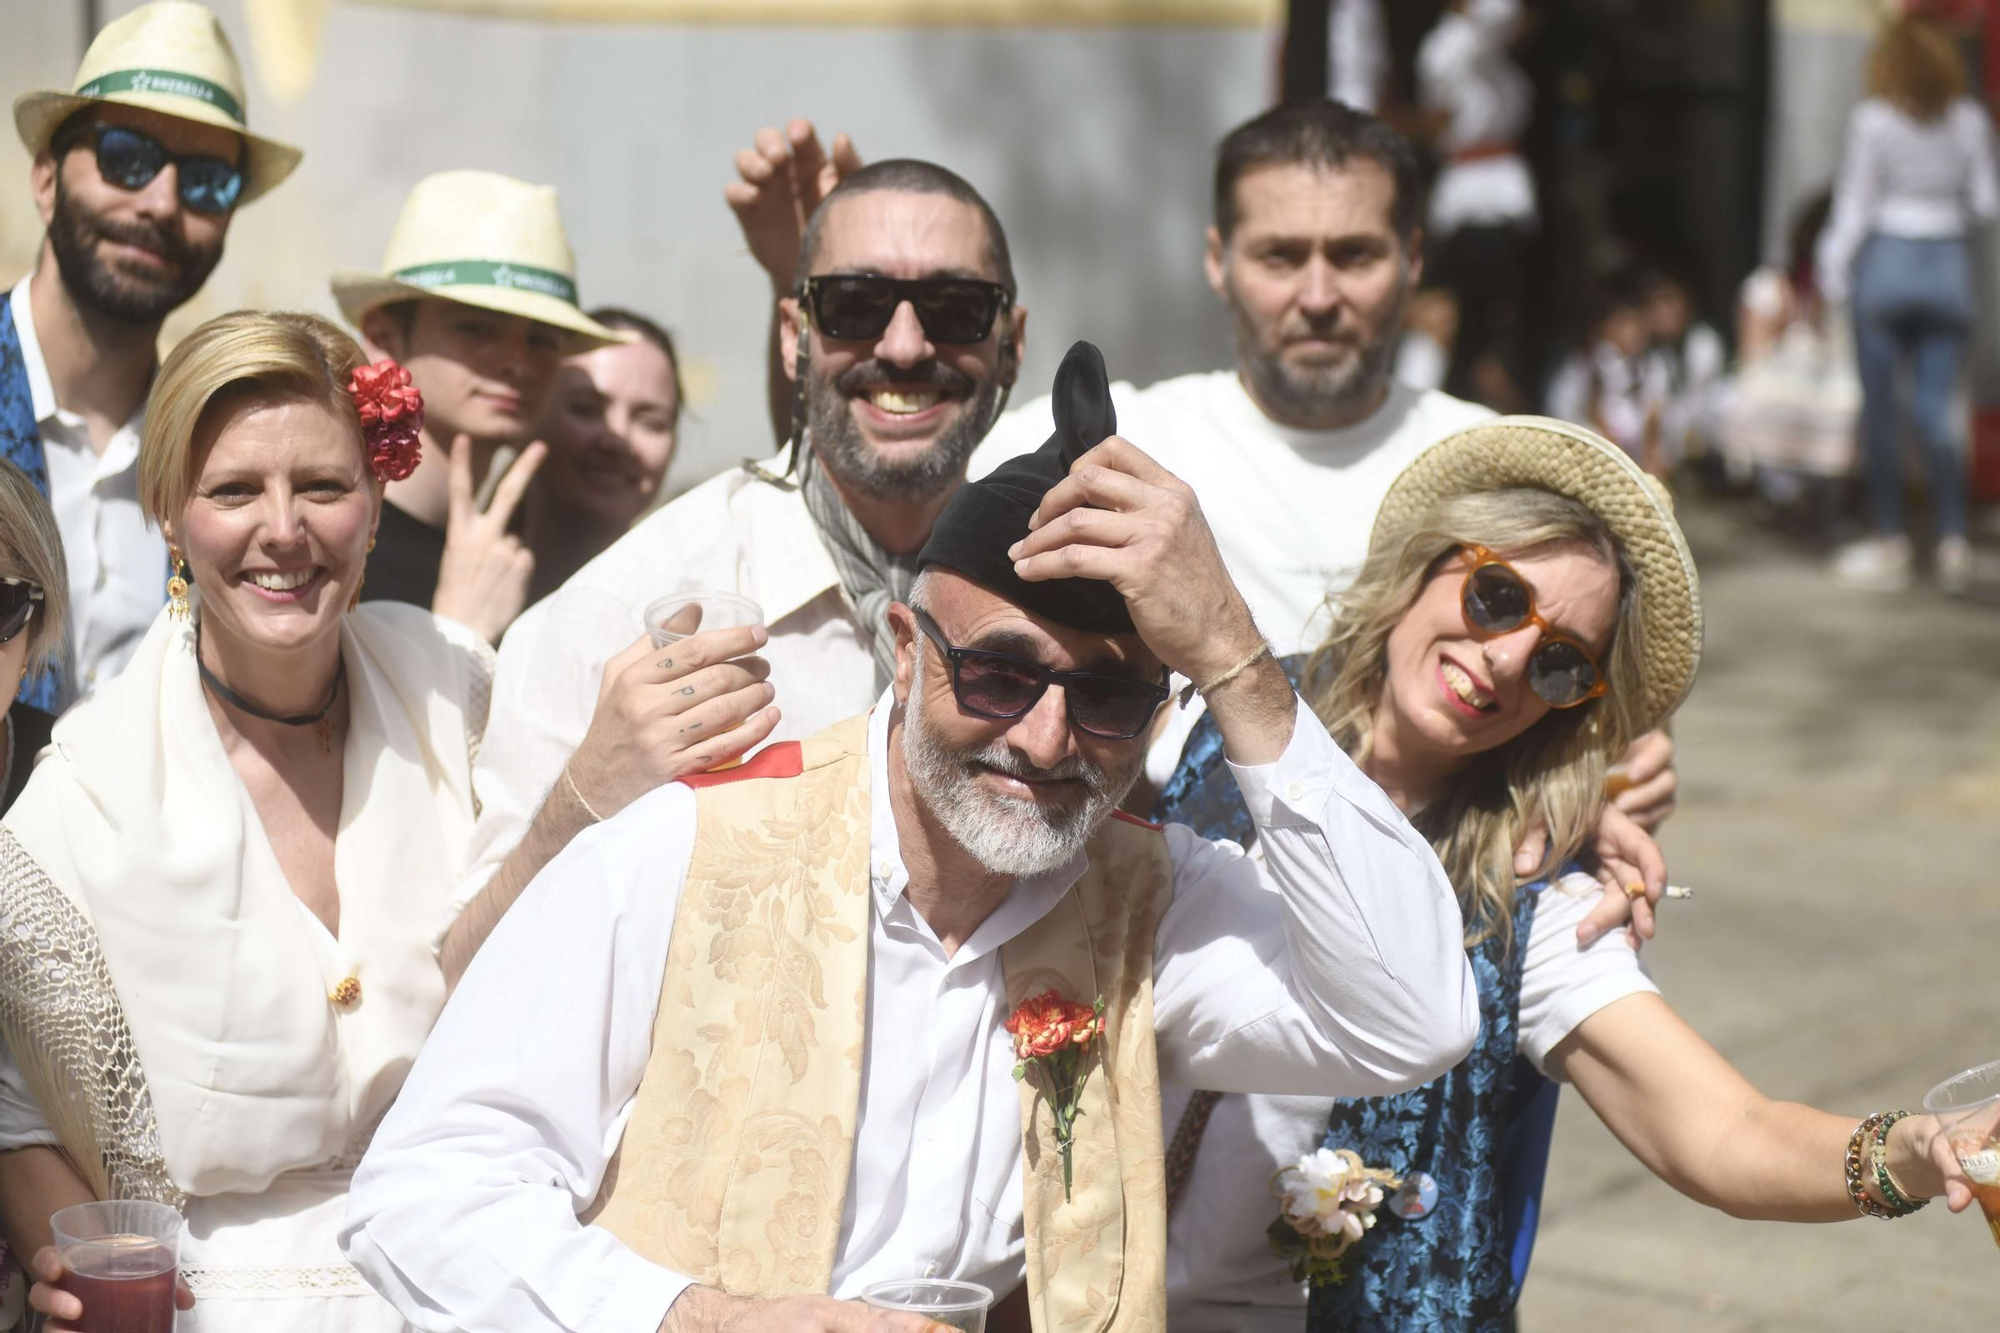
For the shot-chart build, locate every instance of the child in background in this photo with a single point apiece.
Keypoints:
(1612, 384)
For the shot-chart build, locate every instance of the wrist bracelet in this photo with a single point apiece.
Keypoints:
(1875, 1128)
(1899, 1203)
(1263, 651)
(570, 782)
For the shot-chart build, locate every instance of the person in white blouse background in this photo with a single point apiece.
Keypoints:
(960, 853)
(136, 184)
(1916, 178)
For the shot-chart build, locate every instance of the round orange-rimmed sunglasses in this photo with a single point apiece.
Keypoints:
(1496, 600)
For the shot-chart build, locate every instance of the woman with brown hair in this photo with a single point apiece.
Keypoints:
(228, 871)
(1917, 176)
(34, 607)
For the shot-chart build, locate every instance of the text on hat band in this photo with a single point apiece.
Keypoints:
(167, 82)
(485, 273)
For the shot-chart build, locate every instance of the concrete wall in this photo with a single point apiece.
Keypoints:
(1093, 145)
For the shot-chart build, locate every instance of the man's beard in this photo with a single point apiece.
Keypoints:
(1008, 835)
(112, 290)
(1340, 392)
(854, 463)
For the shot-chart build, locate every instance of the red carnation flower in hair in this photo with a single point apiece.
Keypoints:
(392, 414)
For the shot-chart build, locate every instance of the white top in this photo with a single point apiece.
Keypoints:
(1464, 68)
(1340, 967)
(1218, 1258)
(1291, 510)
(117, 565)
(1629, 390)
(735, 532)
(1357, 53)
(1905, 177)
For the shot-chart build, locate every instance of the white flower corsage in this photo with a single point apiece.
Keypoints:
(1327, 1201)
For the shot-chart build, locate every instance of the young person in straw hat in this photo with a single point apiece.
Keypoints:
(1527, 605)
(138, 168)
(477, 298)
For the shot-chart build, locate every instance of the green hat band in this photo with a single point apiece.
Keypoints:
(483, 273)
(164, 81)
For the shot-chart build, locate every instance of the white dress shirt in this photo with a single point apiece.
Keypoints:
(1920, 179)
(1335, 968)
(737, 533)
(117, 564)
(1221, 1274)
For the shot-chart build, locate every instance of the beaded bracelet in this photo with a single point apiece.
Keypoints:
(1898, 1202)
(1874, 1127)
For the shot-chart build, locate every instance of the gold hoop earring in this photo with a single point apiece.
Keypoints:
(177, 585)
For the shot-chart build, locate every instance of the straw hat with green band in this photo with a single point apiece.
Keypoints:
(481, 239)
(172, 58)
(1543, 454)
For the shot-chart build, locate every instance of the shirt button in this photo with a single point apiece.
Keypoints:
(1296, 791)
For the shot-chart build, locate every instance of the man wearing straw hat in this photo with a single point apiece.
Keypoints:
(477, 299)
(138, 168)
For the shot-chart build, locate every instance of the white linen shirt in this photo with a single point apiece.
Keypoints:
(736, 533)
(117, 565)
(1335, 968)
(1464, 67)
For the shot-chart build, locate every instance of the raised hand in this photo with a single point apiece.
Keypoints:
(484, 577)
(781, 179)
(666, 712)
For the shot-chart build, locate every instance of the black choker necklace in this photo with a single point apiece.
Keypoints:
(319, 719)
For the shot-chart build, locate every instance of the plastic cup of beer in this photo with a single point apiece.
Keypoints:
(1967, 1106)
(671, 619)
(121, 1259)
(960, 1305)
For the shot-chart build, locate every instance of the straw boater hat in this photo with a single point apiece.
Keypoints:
(1542, 454)
(481, 239)
(172, 58)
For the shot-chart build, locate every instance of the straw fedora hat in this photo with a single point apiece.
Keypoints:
(1543, 454)
(170, 57)
(481, 239)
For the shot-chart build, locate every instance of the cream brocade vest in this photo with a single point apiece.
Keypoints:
(734, 1163)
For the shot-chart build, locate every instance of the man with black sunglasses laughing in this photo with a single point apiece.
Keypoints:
(809, 979)
(138, 169)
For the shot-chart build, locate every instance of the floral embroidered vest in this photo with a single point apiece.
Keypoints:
(21, 445)
(734, 1163)
(1481, 1131)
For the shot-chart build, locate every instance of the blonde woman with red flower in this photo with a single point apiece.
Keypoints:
(231, 863)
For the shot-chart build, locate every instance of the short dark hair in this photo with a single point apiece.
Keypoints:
(628, 321)
(912, 176)
(1321, 133)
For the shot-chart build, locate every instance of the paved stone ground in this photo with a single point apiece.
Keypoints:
(1840, 819)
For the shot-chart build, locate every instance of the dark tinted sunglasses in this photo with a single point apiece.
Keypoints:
(996, 685)
(862, 305)
(130, 158)
(17, 605)
(1496, 600)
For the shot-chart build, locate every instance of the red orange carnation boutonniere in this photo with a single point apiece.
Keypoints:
(1054, 1036)
(392, 414)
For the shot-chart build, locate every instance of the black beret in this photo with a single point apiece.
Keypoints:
(988, 516)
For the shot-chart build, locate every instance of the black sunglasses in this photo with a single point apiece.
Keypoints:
(862, 305)
(17, 606)
(130, 158)
(1496, 600)
(996, 685)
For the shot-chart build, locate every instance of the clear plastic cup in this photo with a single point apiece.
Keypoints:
(121, 1259)
(1967, 1106)
(960, 1305)
(672, 618)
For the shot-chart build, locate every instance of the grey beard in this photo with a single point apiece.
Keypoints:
(1305, 399)
(848, 457)
(1008, 837)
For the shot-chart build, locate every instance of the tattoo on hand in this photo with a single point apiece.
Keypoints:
(692, 726)
(688, 690)
(665, 664)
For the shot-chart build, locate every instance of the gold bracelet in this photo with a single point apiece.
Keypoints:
(571, 783)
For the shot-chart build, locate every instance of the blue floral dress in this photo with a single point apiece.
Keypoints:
(1480, 1133)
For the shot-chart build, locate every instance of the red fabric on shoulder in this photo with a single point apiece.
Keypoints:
(1134, 819)
(786, 759)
